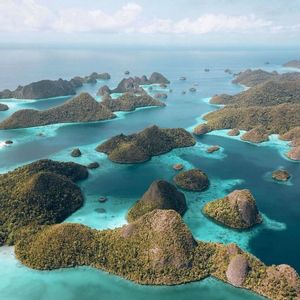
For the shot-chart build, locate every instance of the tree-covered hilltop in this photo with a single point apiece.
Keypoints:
(43, 192)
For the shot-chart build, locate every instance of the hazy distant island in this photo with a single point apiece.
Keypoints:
(140, 147)
(292, 64)
(133, 84)
(82, 108)
(52, 88)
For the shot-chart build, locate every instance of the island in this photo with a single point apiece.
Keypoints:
(133, 84)
(236, 210)
(160, 195)
(140, 147)
(292, 64)
(130, 101)
(83, 108)
(158, 249)
(52, 88)
(192, 180)
(43, 192)
(281, 175)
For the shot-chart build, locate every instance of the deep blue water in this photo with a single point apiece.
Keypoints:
(239, 165)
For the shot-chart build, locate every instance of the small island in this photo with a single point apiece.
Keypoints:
(281, 175)
(237, 210)
(157, 249)
(43, 192)
(140, 147)
(160, 195)
(83, 108)
(130, 101)
(192, 180)
(52, 88)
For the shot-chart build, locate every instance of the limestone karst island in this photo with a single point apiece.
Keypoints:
(149, 150)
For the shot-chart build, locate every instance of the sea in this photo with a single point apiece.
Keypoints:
(237, 165)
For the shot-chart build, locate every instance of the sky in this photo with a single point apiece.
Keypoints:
(152, 22)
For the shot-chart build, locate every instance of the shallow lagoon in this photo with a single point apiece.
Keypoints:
(236, 165)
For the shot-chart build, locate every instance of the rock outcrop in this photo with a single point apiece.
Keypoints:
(160, 195)
(3, 107)
(140, 147)
(192, 180)
(213, 149)
(237, 210)
(256, 135)
(233, 132)
(281, 175)
(43, 192)
(202, 129)
(237, 270)
(76, 152)
(83, 108)
(294, 153)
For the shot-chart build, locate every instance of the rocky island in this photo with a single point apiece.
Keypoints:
(140, 147)
(192, 180)
(52, 88)
(160, 195)
(158, 248)
(3, 107)
(83, 108)
(133, 84)
(43, 192)
(237, 210)
(281, 175)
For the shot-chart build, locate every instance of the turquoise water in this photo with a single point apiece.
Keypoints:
(236, 165)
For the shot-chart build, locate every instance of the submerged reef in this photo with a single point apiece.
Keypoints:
(83, 108)
(43, 192)
(140, 147)
(160, 195)
(52, 88)
(236, 210)
(158, 248)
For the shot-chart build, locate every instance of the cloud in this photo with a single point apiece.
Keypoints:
(23, 15)
(78, 20)
(207, 24)
(29, 15)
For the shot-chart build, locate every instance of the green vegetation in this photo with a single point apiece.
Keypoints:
(158, 248)
(160, 195)
(42, 192)
(140, 147)
(274, 119)
(192, 180)
(237, 210)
